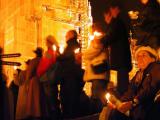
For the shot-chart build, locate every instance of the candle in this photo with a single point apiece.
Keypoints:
(54, 47)
(61, 49)
(77, 50)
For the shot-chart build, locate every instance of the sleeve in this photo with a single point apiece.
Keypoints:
(92, 52)
(111, 35)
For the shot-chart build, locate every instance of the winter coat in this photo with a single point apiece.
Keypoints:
(22, 96)
(94, 52)
(34, 107)
(70, 76)
(117, 40)
(145, 91)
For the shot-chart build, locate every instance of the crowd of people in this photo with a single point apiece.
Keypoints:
(38, 97)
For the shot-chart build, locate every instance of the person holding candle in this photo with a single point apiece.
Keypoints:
(70, 76)
(139, 99)
(96, 54)
(49, 86)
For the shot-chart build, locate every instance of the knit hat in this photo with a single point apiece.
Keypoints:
(148, 49)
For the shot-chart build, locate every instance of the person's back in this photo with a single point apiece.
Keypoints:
(116, 40)
(70, 77)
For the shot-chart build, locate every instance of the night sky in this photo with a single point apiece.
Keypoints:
(98, 5)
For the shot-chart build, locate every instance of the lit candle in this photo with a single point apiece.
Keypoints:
(107, 97)
(54, 47)
(77, 50)
(61, 49)
(14, 67)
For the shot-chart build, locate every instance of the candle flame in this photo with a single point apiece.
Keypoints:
(97, 34)
(15, 67)
(54, 47)
(77, 50)
(107, 97)
(91, 37)
(61, 49)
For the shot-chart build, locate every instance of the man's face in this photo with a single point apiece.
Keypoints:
(108, 17)
(143, 59)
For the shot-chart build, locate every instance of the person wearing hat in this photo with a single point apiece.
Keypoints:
(33, 101)
(139, 99)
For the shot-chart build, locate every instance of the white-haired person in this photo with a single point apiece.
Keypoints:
(140, 97)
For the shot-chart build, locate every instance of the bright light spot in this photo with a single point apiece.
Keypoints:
(91, 37)
(107, 96)
(97, 34)
(54, 47)
(15, 67)
(61, 49)
(77, 50)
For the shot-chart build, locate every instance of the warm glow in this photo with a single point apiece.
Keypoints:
(108, 97)
(77, 50)
(113, 77)
(15, 67)
(61, 48)
(97, 34)
(91, 37)
(133, 14)
(54, 47)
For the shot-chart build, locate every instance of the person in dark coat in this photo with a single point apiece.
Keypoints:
(140, 97)
(116, 40)
(71, 81)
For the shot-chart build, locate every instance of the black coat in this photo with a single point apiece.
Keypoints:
(71, 82)
(117, 40)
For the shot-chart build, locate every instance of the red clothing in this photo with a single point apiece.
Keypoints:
(46, 61)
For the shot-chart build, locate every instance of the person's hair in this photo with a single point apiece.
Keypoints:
(52, 40)
(74, 32)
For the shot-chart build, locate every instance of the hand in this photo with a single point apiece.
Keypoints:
(125, 106)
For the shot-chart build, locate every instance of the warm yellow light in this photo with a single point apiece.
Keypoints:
(97, 34)
(61, 49)
(133, 14)
(54, 47)
(77, 50)
(91, 37)
(14, 67)
(107, 96)
(113, 77)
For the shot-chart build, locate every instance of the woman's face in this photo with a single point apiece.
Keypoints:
(143, 59)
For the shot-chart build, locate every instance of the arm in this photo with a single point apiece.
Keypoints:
(116, 28)
(93, 51)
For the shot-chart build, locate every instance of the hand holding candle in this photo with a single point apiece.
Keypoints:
(113, 102)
